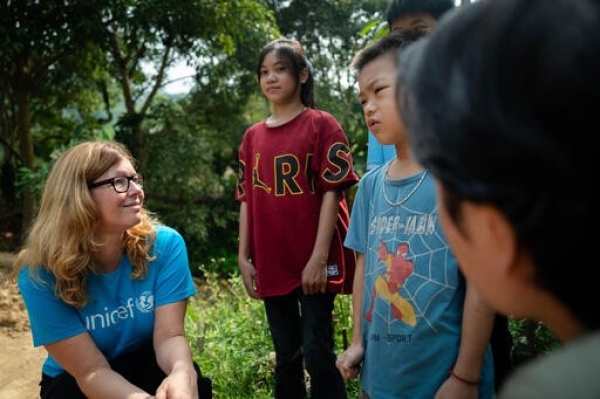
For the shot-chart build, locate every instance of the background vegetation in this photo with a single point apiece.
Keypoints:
(231, 340)
(71, 70)
(79, 69)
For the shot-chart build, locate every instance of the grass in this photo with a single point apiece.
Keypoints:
(231, 342)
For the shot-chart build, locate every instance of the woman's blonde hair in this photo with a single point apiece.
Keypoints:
(62, 236)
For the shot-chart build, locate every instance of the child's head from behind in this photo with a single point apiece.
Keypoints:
(285, 58)
(421, 15)
(500, 104)
(376, 68)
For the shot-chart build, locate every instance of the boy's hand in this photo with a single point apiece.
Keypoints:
(349, 361)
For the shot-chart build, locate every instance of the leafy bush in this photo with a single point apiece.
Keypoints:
(530, 339)
(230, 336)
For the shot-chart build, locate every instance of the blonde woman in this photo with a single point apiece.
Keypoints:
(106, 285)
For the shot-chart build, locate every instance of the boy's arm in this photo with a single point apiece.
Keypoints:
(349, 361)
(314, 275)
(477, 324)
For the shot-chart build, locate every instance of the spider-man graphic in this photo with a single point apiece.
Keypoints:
(387, 286)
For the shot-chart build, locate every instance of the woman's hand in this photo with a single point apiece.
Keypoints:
(181, 383)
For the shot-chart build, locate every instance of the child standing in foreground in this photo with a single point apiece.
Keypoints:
(293, 169)
(419, 330)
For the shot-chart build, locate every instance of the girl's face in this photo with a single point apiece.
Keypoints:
(278, 82)
(376, 82)
(118, 211)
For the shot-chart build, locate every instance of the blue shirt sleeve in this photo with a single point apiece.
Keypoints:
(175, 279)
(378, 154)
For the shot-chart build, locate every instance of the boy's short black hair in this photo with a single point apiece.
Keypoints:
(395, 41)
(399, 8)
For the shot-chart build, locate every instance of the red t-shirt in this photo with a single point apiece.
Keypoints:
(283, 173)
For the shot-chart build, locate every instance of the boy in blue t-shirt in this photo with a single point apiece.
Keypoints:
(420, 15)
(419, 330)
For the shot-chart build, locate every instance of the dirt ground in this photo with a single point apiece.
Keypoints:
(20, 362)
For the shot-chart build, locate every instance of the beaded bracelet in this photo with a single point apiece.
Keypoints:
(472, 383)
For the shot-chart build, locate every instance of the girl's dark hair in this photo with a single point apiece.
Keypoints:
(291, 53)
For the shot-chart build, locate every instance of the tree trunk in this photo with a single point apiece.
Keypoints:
(25, 143)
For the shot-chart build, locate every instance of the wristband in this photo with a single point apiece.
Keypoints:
(472, 383)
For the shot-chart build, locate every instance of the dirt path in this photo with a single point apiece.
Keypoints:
(20, 367)
(20, 362)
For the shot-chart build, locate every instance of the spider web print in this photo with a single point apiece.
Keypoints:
(411, 266)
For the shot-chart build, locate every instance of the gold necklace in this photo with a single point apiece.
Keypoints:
(410, 194)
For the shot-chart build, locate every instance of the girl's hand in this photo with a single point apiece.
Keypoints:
(248, 273)
(314, 277)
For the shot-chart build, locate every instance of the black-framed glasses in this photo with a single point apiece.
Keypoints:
(120, 183)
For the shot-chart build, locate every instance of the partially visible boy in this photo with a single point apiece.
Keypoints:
(493, 83)
(422, 16)
(405, 15)
(418, 329)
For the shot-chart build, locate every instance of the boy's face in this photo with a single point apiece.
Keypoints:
(418, 21)
(376, 83)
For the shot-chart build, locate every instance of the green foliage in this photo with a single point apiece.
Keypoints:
(34, 180)
(530, 339)
(189, 181)
(230, 336)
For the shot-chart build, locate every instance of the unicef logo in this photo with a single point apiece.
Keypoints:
(145, 303)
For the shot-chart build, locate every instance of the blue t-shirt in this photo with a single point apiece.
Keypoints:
(378, 154)
(119, 315)
(413, 293)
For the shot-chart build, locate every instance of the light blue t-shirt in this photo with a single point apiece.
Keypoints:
(119, 315)
(378, 154)
(413, 292)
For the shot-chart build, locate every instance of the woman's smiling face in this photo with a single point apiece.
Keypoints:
(118, 211)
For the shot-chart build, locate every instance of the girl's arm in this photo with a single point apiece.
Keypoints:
(247, 269)
(314, 275)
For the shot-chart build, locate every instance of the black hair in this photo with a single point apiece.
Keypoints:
(394, 42)
(399, 8)
(292, 54)
(500, 103)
